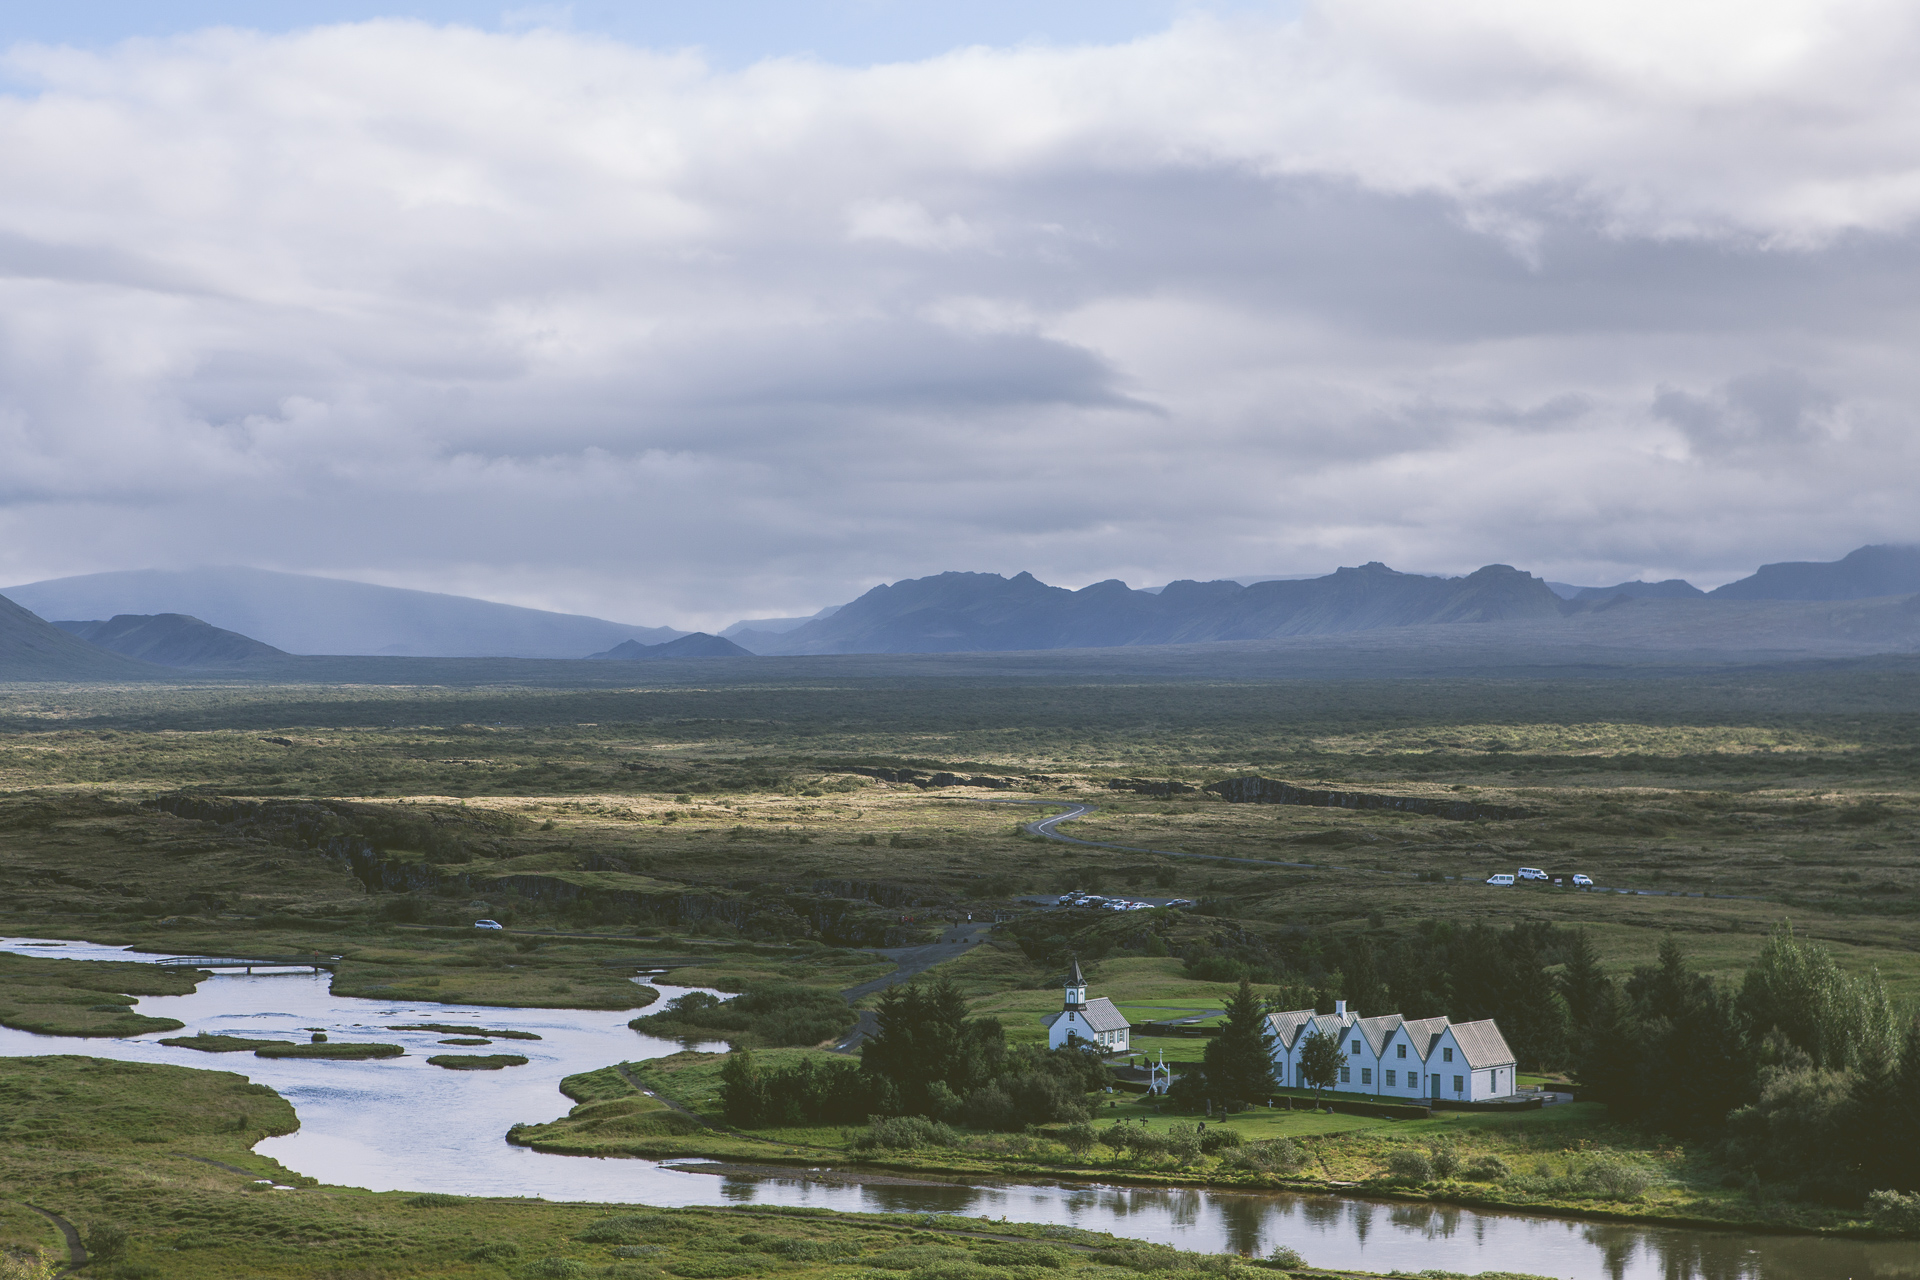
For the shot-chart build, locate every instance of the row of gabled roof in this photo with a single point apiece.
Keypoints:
(1480, 1042)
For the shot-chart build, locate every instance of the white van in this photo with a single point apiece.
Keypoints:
(1502, 879)
(1583, 882)
(1532, 873)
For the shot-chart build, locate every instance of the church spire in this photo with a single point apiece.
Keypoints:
(1076, 988)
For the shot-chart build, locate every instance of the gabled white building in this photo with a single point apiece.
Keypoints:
(1095, 1023)
(1390, 1057)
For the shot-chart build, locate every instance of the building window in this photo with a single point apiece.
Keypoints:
(1456, 1084)
(1403, 1051)
(1356, 1048)
(1346, 1075)
(1448, 1054)
(1366, 1075)
(1389, 1079)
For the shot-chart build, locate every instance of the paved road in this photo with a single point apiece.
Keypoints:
(1045, 829)
(912, 961)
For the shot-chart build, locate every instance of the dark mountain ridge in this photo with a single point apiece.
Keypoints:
(1862, 574)
(31, 648)
(171, 640)
(960, 612)
(697, 645)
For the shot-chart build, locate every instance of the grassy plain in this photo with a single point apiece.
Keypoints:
(720, 832)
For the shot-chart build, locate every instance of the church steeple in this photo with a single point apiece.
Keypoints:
(1076, 988)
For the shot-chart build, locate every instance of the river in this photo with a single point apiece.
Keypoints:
(401, 1124)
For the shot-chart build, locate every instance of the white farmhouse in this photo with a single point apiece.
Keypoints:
(1389, 1057)
(1094, 1023)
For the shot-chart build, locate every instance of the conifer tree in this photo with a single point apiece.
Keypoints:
(1239, 1061)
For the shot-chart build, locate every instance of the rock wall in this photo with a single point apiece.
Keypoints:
(1258, 790)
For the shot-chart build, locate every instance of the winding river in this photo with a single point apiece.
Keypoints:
(400, 1123)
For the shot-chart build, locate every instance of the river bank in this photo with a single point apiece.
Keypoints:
(1568, 1161)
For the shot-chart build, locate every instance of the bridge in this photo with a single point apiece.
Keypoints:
(250, 963)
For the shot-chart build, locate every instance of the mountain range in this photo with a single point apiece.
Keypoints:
(303, 614)
(1783, 609)
(961, 612)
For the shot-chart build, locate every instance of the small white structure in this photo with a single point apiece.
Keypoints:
(1390, 1057)
(1095, 1023)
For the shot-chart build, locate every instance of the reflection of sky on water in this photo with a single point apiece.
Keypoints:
(401, 1123)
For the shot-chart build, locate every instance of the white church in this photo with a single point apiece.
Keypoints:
(1095, 1023)
(1389, 1056)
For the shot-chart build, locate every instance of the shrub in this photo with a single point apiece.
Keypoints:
(433, 1200)
(496, 1251)
(1079, 1138)
(913, 1257)
(1410, 1165)
(1487, 1169)
(106, 1241)
(28, 1265)
(624, 1229)
(1446, 1161)
(553, 1269)
(1220, 1140)
(1281, 1155)
(1894, 1213)
(1022, 1255)
(1286, 1256)
(1615, 1179)
(903, 1133)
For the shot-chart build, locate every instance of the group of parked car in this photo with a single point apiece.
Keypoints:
(1577, 880)
(1095, 902)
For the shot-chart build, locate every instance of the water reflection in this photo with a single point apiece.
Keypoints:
(400, 1123)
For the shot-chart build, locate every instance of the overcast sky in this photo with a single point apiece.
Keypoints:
(678, 314)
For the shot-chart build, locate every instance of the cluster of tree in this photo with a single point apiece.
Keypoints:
(769, 1015)
(926, 1057)
(1804, 1074)
(1437, 969)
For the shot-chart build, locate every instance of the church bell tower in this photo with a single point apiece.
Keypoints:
(1076, 989)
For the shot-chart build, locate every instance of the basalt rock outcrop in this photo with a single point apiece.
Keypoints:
(1257, 790)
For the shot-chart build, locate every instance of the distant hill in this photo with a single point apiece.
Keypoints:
(778, 626)
(170, 639)
(31, 648)
(697, 645)
(1671, 589)
(959, 612)
(303, 614)
(1858, 575)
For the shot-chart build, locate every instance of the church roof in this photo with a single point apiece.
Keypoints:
(1098, 1016)
(1075, 978)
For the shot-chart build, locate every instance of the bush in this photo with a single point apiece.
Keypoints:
(1615, 1179)
(106, 1241)
(1894, 1213)
(1286, 1256)
(433, 1200)
(903, 1133)
(554, 1269)
(624, 1229)
(1410, 1165)
(1079, 1138)
(1487, 1169)
(497, 1251)
(28, 1265)
(1446, 1161)
(1218, 1139)
(1281, 1155)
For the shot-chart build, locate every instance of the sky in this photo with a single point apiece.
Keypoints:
(678, 314)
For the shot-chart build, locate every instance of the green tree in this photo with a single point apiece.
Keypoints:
(1320, 1062)
(743, 1093)
(1239, 1061)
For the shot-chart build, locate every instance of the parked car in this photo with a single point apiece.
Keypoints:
(488, 924)
(1583, 882)
(1533, 873)
(1502, 879)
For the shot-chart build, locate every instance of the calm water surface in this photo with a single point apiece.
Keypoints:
(400, 1123)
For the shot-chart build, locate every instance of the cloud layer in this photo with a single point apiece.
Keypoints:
(556, 320)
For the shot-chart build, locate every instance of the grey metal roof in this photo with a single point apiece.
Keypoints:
(1482, 1044)
(1379, 1029)
(1286, 1026)
(1099, 1015)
